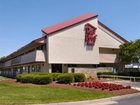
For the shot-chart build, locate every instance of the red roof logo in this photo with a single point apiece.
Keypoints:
(90, 35)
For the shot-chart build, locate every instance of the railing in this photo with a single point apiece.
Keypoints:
(34, 56)
(16, 60)
(1, 65)
(119, 77)
(37, 55)
(125, 80)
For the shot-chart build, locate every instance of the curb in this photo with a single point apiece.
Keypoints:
(136, 88)
(127, 96)
(104, 101)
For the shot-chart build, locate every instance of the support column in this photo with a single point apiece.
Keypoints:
(71, 69)
(11, 72)
(46, 68)
(21, 69)
(50, 68)
(14, 72)
(64, 68)
(29, 68)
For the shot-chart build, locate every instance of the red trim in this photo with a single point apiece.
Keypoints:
(66, 24)
(87, 24)
(107, 28)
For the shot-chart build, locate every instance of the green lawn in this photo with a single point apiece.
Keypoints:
(11, 94)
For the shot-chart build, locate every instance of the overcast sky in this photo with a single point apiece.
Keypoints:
(21, 21)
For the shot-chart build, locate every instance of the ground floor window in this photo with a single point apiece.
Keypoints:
(57, 68)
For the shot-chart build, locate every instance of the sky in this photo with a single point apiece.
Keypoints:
(21, 21)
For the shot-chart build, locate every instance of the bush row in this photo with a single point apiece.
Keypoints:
(106, 73)
(46, 78)
(130, 72)
(34, 78)
(126, 72)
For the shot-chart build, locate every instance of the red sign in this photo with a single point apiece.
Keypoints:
(90, 36)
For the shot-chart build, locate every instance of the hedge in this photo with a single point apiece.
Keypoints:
(65, 78)
(18, 77)
(42, 79)
(129, 72)
(46, 78)
(79, 77)
(134, 73)
(55, 75)
(25, 78)
(106, 73)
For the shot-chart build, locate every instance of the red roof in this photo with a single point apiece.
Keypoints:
(63, 25)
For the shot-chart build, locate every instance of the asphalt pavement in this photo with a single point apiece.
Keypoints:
(135, 100)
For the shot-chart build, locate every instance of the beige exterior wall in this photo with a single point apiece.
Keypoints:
(107, 58)
(45, 68)
(108, 55)
(107, 39)
(90, 71)
(67, 46)
(40, 55)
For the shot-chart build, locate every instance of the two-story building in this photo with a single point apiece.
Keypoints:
(81, 44)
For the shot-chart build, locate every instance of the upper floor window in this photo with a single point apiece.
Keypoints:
(41, 47)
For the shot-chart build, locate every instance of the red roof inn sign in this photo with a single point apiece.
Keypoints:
(90, 35)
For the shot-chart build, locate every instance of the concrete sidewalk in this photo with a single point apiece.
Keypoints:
(105, 101)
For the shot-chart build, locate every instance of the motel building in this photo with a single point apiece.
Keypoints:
(82, 44)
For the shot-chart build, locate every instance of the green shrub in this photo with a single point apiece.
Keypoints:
(129, 72)
(106, 73)
(36, 78)
(45, 78)
(79, 77)
(27, 78)
(65, 78)
(42, 79)
(18, 78)
(55, 75)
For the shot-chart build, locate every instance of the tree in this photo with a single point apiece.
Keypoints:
(2, 58)
(129, 52)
